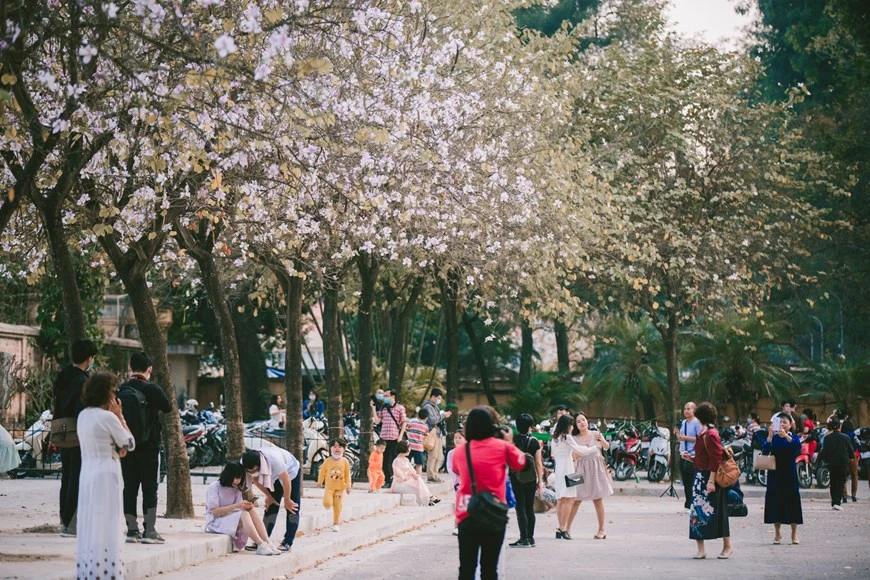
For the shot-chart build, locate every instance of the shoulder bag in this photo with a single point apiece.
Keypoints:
(484, 508)
(63, 433)
(728, 471)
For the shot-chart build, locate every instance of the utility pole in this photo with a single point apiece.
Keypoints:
(821, 338)
(842, 345)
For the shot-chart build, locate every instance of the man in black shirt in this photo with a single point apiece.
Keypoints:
(837, 451)
(140, 466)
(68, 403)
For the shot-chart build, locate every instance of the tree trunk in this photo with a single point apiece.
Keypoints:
(450, 304)
(252, 366)
(331, 348)
(61, 261)
(527, 350)
(669, 340)
(232, 379)
(293, 367)
(479, 357)
(400, 318)
(179, 501)
(562, 348)
(368, 270)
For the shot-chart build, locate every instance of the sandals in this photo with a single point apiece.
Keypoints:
(724, 556)
(599, 537)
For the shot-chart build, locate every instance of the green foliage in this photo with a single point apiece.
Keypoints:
(545, 391)
(736, 360)
(627, 363)
(52, 339)
(848, 382)
(550, 19)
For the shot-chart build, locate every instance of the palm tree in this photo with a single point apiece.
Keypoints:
(623, 365)
(735, 360)
(544, 391)
(847, 382)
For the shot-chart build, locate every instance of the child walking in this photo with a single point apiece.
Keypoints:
(376, 466)
(335, 477)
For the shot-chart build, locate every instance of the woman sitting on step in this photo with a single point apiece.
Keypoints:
(407, 480)
(227, 513)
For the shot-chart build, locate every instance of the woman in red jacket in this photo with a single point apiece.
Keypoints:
(708, 519)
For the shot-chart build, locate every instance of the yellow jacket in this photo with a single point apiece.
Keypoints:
(335, 473)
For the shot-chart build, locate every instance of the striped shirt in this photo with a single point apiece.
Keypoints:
(417, 431)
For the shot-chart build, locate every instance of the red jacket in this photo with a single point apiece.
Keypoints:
(708, 451)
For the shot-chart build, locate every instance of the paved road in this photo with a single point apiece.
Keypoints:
(646, 538)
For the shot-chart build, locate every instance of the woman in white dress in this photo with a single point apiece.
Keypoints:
(104, 438)
(565, 451)
(407, 480)
(277, 414)
(596, 484)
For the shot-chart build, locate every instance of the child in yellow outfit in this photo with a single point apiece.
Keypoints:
(376, 466)
(335, 477)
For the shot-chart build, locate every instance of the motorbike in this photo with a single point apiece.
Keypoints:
(195, 442)
(739, 440)
(627, 454)
(34, 448)
(659, 455)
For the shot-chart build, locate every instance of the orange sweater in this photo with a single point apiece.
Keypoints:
(376, 461)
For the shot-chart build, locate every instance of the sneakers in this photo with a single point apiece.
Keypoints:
(854, 499)
(455, 531)
(520, 544)
(152, 537)
(836, 507)
(434, 501)
(67, 532)
(134, 537)
(265, 549)
(284, 547)
(335, 528)
(531, 542)
(433, 480)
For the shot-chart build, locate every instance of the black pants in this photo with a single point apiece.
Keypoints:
(473, 541)
(839, 474)
(70, 469)
(687, 473)
(271, 514)
(525, 494)
(390, 454)
(139, 469)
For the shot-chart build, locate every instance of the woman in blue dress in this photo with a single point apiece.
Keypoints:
(782, 500)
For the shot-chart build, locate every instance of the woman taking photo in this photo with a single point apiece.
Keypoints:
(565, 451)
(488, 455)
(104, 439)
(708, 516)
(782, 500)
(596, 484)
(313, 407)
(277, 414)
(227, 513)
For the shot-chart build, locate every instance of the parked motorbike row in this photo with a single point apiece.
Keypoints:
(205, 437)
(315, 441)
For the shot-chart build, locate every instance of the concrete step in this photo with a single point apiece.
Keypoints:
(311, 549)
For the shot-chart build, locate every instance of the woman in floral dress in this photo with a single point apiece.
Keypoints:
(708, 517)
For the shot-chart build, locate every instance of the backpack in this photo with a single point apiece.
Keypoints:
(135, 409)
(529, 472)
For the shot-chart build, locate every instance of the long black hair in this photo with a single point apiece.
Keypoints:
(565, 426)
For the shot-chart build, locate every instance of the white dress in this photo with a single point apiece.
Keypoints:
(100, 510)
(9, 459)
(563, 448)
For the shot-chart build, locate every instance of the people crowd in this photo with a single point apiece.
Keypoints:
(491, 467)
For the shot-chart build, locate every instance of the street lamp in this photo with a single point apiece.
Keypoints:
(821, 338)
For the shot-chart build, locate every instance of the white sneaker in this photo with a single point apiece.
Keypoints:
(265, 549)
(455, 531)
(836, 507)
(335, 528)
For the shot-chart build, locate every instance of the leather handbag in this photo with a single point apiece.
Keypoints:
(765, 463)
(63, 433)
(484, 508)
(728, 471)
(573, 479)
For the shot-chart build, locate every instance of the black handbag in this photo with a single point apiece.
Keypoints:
(484, 508)
(573, 479)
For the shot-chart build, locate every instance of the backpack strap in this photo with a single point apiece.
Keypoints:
(470, 468)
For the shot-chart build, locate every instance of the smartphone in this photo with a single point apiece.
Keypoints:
(774, 424)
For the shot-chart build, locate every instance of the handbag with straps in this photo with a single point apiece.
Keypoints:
(484, 508)
(728, 471)
(764, 463)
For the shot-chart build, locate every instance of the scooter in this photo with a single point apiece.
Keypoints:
(627, 454)
(659, 455)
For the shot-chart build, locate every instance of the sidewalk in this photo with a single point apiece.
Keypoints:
(31, 548)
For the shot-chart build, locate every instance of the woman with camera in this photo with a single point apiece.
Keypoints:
(782, 499)
(481, 465)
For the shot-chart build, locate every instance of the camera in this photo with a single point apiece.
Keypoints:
(499, 431)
